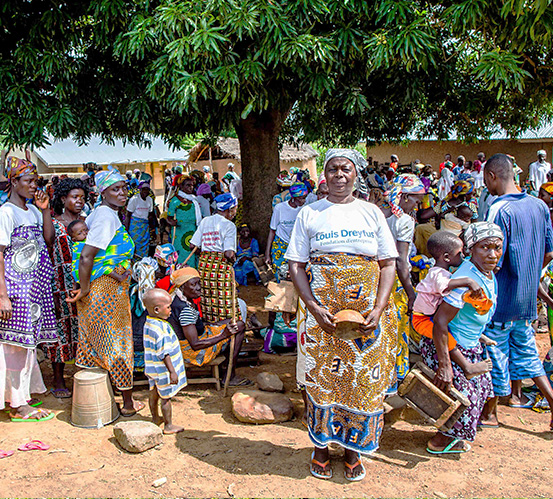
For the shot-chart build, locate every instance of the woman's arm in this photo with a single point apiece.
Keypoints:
(385, 284)
(5, 303)
(128, 219)
(299, 277)
(86, 263)
(444, 315)
(191, 334)
(270, 239)
(404, 273)
(42, 202)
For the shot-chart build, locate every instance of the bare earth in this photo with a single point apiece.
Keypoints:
(216, 456)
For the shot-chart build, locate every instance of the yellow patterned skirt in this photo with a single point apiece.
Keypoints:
(403, 330)
(217, 277)
(346, 381)
(105, 332)
(205, 356)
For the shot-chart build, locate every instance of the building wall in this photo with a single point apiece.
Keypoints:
(432, 152)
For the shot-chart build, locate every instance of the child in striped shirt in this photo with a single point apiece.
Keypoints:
(162, 358)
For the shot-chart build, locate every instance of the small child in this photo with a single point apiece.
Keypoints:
(77, 230)
(162, 358)
(447, 249)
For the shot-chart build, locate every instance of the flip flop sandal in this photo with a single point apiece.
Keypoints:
(322, 465)
(31, 417)
(34, 445)
(448, 449)
(531, 401)
(486, 425)
(32, 402)
(6, 453)
(241, 382)
(61, 393)
(351, 467)
(140, 406)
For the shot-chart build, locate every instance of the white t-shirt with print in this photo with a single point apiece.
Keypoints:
(215, 233)
(140, 208)
(402, 228)
(102, 224)
(12, 216)
(282, 221)
(358, 228)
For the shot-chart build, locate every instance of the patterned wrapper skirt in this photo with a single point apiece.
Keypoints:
(477, 389)
(346, 381)
(139, 230)
(280, 264)
(205, 356)
(105, 332)
(403, 331)
(217, 277)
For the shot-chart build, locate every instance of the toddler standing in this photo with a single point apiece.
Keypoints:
(162, 358)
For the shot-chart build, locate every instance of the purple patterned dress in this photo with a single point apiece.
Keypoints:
(477, 389)
(28, 274)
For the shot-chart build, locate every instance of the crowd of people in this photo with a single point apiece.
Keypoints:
(444, 264)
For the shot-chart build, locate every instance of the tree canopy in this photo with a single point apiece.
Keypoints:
(339, 70)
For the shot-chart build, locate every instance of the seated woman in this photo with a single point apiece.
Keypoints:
(247, 248)
(461, 319)
(201, 342)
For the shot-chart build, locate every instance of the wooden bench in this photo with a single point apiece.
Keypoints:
(213, 366)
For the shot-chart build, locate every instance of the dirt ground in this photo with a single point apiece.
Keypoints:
(216, 456)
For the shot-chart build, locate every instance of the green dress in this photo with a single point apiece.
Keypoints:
(185, 216)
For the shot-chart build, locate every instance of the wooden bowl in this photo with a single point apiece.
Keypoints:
(347, 324)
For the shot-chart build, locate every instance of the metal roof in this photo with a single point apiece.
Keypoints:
(68, 152)
(544, 132)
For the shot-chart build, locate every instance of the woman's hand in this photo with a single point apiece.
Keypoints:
(5, 308)
(232, 329)
(42, 201)
(371, 322)
(268, 259)
(444, 377)
(77, 294)
(324, 318)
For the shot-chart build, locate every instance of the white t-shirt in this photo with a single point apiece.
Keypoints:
(283, 220)
(537, 173)
(358, 227)
(102, 224)
(402, 228)
(215, 233)
(12, 216)
(140, 208)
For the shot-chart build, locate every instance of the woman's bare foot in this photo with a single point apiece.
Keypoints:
(472, 370)
(169, 429)
(137, 406)
(440, 441)
(320, 462)
(24, 410)
(157, 420)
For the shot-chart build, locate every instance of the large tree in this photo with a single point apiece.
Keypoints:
(335, 71)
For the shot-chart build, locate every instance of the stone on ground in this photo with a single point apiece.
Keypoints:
(269, 382)
(255, 406)
(137, 436)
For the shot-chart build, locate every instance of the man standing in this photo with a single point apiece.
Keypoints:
(527, 247)
(537, 172)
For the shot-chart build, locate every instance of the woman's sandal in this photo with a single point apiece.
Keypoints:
(351, 467)
(448, 449)
(6, 453)
(138, 406)
(32, 417)
(34, 445)
(322, 465)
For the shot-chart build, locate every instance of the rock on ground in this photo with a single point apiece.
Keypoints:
(255, 406)
(269, 382)
(137, 436)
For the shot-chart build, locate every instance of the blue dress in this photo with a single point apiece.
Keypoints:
(241, 271)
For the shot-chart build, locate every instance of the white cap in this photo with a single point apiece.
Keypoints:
(541, 152)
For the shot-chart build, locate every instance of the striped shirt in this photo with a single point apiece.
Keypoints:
(159, 341)
(526, 225)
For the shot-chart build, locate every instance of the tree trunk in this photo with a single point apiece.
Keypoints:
(258, 136)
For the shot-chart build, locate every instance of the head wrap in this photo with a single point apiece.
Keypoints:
(226, 201)
(17, 167)
(178, 169)
(354, 156)
(460, 188)
(477, 165)
(541, 152)
(106, 178)
(406, 183)
(203, 189)
(465, 176)
(137, 170)
(479, 231)
(166, 256)
(180, 276)
(448, 164)
(133, 182)
(143, 183)
(284, 180)
(143, 272)
(205, 168)
(298, 189)
(548, 187)
(230, 165)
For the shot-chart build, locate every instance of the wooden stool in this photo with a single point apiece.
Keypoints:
(214, 365)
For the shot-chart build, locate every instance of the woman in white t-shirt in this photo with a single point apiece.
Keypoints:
(282, 223)
(102, 270)
(342, 256)
(27, 315)
(139, 219)
(406, 193)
